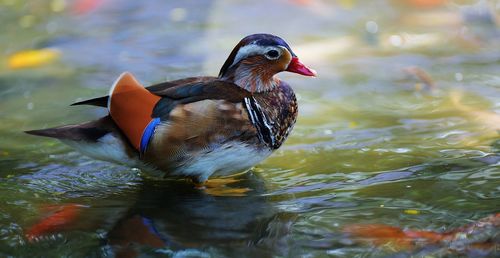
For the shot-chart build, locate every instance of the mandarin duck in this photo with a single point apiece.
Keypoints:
(200, 126)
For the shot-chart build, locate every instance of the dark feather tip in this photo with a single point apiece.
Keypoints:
(41, 132)
(100, 102)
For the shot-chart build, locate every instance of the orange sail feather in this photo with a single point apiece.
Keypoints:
(131, 106)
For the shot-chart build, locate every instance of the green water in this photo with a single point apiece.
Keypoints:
(368, 147)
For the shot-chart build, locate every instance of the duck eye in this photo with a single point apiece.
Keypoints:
(273, 54)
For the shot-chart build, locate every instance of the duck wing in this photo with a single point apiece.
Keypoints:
(156, 89)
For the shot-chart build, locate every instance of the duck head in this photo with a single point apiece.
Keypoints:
(257, 58)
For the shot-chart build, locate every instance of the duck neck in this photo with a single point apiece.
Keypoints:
(252, 77)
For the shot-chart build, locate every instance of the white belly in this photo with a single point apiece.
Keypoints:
(107, 148)
(229, 158)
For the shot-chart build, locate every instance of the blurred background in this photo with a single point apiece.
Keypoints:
(400, 127)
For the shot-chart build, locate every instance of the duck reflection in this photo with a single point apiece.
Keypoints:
(176, 216)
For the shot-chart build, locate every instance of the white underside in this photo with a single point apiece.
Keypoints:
(229, 158)
(107, 148)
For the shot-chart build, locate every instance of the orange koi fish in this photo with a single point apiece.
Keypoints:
(58, 220)
(476, 235)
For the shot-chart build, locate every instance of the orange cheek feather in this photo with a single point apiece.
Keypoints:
(131, 105)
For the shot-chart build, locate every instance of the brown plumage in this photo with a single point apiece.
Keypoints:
(201, 126)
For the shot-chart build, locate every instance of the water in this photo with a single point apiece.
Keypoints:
(372, 143)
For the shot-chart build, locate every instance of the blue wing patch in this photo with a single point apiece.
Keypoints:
(148, 133)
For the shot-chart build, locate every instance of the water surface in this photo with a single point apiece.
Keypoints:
(373, 142)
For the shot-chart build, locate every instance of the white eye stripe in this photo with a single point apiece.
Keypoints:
(252, 50)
